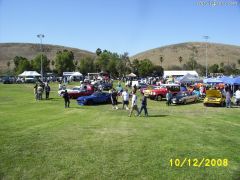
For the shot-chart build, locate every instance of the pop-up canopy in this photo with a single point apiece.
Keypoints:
(131, 75)
(189, 78)
(29, 73)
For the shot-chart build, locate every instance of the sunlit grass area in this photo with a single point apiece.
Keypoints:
(43, 140)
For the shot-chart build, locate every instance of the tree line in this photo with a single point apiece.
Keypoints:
(117, 65)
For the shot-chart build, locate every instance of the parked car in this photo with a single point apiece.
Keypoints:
(105, 86)
(8, 80)
(160, 92)
(214, 97)
(146, 91)
(30, 79)
(142, 85)
(184, 98)
(95, 98)
(76, 91)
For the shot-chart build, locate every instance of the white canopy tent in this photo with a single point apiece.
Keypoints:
(29, 73)
(72, 74)
(131, 75)
(178, 73)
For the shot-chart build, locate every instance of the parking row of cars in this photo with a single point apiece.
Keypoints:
(88, 94)
(182, 95)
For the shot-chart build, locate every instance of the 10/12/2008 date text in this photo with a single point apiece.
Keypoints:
(196, 162)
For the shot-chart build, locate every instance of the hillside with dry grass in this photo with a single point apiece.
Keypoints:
(9, 50)
(217, 53)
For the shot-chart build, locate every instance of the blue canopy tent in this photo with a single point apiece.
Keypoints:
(236, 80)
(212, 81)
(231, 81)
(227, 80)
(188, 78)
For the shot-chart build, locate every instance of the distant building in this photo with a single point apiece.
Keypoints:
(168, 74)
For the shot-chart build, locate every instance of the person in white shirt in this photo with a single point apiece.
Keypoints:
(134, 104)
(237, 96)
(125, 97)
(81, 85)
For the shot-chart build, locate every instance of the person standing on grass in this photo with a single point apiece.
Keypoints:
(35, 91)
(125, 97)
(144, 106)
(39, 92)
(228, 98)
(237, 97)
(66, 99)
(134, 104)
(114, 99)
(168, 97)
(47, 91)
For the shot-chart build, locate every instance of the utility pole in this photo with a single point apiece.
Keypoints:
(206, 54)
(41, 36)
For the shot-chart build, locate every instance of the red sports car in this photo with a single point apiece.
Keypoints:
(76, 92)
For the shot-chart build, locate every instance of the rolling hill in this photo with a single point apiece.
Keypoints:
(217, 53)
(9, 50)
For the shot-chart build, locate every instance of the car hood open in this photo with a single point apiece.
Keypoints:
(213, 93)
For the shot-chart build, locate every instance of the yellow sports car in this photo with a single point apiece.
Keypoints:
(214, 97)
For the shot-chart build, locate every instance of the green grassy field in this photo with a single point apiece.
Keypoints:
(43, 140)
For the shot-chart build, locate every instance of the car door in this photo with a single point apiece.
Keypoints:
(98, 98)
(191, 97)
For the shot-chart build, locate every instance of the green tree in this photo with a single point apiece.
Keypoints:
(21, 64)
(103, 60)
(214, 68)
(135, 66)
(36, 63)
(124, 64)
(52, 62)
(121, 68)
(145, 68)
(191, 64)
(174, 67)
(86, 65)
(228, 70)
(64, 61)
(53, 65)
(238, 61)
(157, 71)
(98, 52)
(161, 60)
(8, 64)
(180, 59)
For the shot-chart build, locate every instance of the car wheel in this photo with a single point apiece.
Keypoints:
(184, 102)
(222, 104)
(90, 102)
(159, 98)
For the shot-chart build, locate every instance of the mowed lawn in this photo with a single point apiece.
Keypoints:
(43, 140)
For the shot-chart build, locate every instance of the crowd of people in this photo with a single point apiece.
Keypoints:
(119, 91)
(124, 94)
(40, 88)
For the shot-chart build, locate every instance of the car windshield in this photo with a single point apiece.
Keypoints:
(182, 94)
(76, 89)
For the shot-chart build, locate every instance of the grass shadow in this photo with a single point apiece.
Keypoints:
(158, 115)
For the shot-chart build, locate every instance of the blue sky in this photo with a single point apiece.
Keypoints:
(118, 25)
